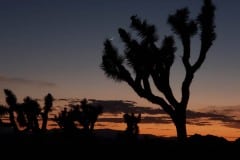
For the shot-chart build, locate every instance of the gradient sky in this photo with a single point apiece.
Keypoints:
(56, 46)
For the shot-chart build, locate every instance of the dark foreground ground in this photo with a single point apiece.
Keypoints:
(114, 145)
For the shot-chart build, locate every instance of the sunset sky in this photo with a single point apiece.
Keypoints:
(56, 46)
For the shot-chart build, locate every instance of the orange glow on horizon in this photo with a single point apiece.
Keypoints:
(169, 130)
(216, 128)
(166, 130)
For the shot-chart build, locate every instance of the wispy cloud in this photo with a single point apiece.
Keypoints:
(193, 117)
(201, 118)
(213, 116)
(121, 106)
(26, 81)
(145, 119)
(199, 122)
(228, 116)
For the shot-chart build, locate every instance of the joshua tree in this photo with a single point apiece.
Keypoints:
(12, 103)
(65, 120)
(47, 107)
(31, 108)
(86, 114)
(150, 61)
(90, 114)
(132, 121)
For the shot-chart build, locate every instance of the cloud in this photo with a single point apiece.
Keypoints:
(151, 119)
(116, 106)
(121, 106)
(193, 118)
(145, 119)
(213, 116)
(227, 115)
(62, 99)
(112, 120)
(26, 81)
(226, 119)
(233, 124)
(199, 122)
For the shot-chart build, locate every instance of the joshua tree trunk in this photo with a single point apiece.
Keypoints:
(180, 124)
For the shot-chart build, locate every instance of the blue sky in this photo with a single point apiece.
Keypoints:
(56, 46)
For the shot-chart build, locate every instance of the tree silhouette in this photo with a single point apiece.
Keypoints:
(132, 121)
(11, 100)
(86, 114)
(148, 61)
(47, 107)
(31, 108)
(65, 120)
(90, 114)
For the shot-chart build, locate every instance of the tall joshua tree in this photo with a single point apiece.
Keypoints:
(148, 60)
(47, 107)
(11, 100)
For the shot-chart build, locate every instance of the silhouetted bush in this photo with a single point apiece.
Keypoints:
(132, 121)
(85, 114)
